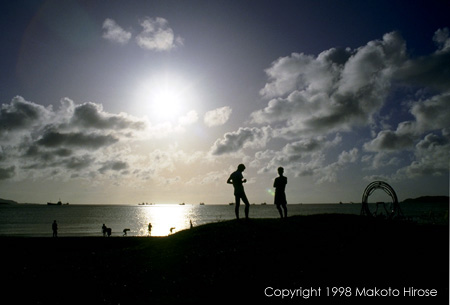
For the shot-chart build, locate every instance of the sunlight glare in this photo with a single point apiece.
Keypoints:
(163, 218)
(164, 99)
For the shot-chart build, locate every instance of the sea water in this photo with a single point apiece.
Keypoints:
(87, 220)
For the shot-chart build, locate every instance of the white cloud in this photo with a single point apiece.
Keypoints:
(189, 118)
(335, 91)
(234, 142)
(442, 39)
(157, 35)
(343, 90)
(217, 116)
(113, 32)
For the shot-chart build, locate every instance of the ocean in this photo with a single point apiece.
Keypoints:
(87, 220)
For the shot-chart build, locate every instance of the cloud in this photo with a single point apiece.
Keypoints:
(77, 139)
(343, 90)
(430, 115)
(217, 116)
(214, 177)
(304, 157)
(190, 118)
(7, 173)
(329, 173)
(113, 166)
(41, 141)
(113, 32)
(431, 155)
(431, 158)
(21, 115)
(233, 142)
(442, 39)
(91, 115)
(428, 70)
(335, 91)
(390, 140)
(157, 35)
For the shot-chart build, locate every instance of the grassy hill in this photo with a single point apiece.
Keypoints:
(230, 261)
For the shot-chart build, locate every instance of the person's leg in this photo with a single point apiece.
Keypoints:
(279, 210)
(237, 203)
(285, 210)
(247, 205)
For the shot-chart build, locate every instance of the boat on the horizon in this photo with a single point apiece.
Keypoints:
(58, 203)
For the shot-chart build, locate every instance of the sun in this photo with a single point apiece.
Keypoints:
(166, 103)
(164, 99)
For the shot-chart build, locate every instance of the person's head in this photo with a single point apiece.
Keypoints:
(280, 171)
(241, 167)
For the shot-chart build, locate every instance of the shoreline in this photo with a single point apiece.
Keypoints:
(230, 260)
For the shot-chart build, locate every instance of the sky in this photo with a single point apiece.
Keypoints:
(122, 102)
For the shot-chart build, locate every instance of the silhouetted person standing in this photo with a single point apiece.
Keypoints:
(280, 196)
(55, 228)
(238, 180)
(104, 228)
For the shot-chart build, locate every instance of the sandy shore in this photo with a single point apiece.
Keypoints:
(233, 261)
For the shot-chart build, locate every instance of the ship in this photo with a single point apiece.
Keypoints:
(58, 203)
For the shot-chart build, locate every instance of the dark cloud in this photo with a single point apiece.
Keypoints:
(390, 140)
(432, 70)
(40, 138)
(78, 163)
(7, 173)
(90, 115)
(114, 166)
(20, 114)
(432, 114)
(79, 140)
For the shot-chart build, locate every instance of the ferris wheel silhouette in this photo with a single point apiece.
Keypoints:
(394, 210)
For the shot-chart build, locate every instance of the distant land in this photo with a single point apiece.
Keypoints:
(6, 201)
(11, 202)
(428, 199)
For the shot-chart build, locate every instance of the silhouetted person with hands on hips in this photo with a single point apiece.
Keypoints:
(280, 196)
(238, 180)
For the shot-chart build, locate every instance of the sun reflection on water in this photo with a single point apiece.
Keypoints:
(164, 218)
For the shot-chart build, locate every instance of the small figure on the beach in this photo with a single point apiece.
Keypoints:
(171, 230)
(125, 231)
(237, 180)
(104, 228)
(280, 196)
(108, 232)
(149, 229)
(55, 228)
(190, 221)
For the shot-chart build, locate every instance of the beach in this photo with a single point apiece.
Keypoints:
(257, 261)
